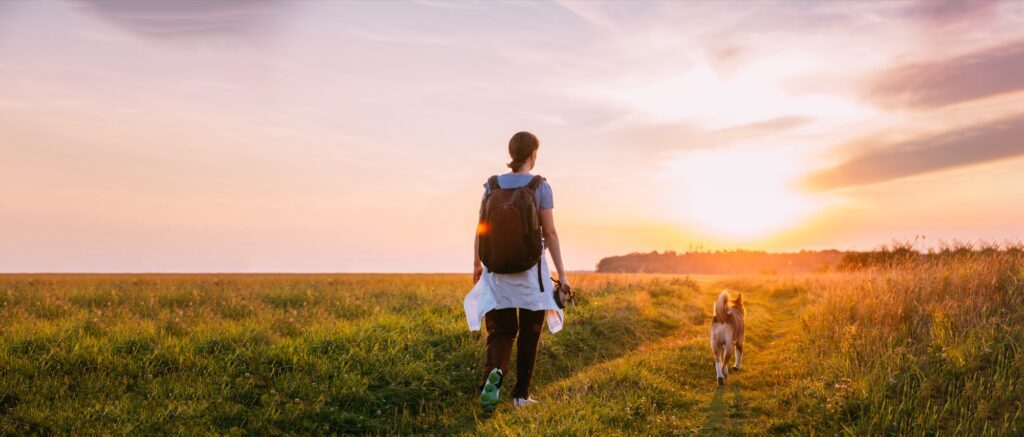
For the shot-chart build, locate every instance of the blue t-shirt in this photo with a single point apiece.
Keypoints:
(545, 200)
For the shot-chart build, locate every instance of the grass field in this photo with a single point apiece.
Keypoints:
(924, 348)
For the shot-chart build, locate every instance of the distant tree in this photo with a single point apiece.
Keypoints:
(804, 261)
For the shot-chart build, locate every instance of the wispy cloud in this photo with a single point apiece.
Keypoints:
(763, 127)
(658, 139)
(976, 75)
(452, 6)
(590, 13)
(182, 17)
(976, 144)
(946, 12)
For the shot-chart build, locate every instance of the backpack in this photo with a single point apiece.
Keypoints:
(509, 230)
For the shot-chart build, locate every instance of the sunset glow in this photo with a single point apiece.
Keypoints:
(742, 194)
(356, 136)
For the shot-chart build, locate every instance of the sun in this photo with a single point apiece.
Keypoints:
(741, 194)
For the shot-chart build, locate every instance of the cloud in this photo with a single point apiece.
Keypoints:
(156, 18)
(987, 142)
(943, 13)
(656, 139)
(985, 73)
(765, 127)
(591, 15)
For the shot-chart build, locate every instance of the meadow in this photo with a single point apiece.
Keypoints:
(920, 347)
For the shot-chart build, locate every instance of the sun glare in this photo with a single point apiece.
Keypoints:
(741, 194)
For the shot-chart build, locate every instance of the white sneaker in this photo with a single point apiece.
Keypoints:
(520, 402)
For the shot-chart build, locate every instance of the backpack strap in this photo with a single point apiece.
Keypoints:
(540, 281)
(535, 182)
(492, 183)
(533, 185)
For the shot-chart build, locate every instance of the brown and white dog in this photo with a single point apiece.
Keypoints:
(727, 332)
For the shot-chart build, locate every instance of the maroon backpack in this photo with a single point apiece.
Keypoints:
(509, 230)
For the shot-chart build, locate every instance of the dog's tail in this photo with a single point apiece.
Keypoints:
(722, 307)
(738, 304)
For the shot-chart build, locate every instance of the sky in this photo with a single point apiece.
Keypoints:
(330, 136)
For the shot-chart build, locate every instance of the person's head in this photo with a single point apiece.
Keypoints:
(523, 150)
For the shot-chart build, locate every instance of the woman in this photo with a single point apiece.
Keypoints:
(515, 306)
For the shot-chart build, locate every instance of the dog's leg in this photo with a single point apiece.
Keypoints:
(739, 356)
(719, 364)
(725, 359)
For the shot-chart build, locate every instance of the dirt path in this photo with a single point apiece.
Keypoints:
(747, 403)
(669, 386)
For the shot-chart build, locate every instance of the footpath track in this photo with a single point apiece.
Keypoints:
(669, 386)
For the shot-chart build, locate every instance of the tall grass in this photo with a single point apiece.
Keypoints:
(280, 354)
(927, 345)
(930, 345)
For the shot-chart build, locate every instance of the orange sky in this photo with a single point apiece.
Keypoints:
(355, 136)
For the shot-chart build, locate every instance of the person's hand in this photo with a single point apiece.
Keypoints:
(565, 282)
(478, 270)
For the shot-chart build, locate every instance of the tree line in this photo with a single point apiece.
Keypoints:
(738, 262)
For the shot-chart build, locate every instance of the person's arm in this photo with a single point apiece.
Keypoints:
(547, 224)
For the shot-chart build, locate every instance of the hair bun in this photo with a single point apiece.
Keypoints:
(520, 147)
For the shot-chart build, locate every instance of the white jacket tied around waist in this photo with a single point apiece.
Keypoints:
(495, 291)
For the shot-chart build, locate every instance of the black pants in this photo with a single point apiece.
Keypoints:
(503, 326)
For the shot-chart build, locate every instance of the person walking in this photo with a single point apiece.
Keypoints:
(513, 291)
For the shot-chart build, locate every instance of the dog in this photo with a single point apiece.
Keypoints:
(727, 333)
